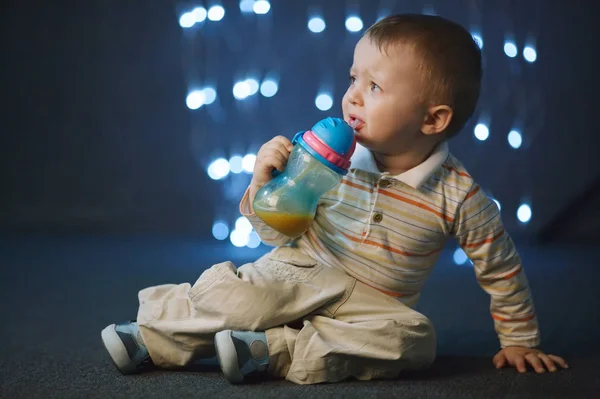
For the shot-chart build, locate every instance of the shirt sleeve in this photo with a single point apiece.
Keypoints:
(480, 233)
(267, 234)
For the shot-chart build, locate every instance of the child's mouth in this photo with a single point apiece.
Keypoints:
(355, 123)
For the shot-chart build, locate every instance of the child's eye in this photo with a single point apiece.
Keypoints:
(352, 79)
(375, 87)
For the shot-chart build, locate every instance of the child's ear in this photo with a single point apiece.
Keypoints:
(437, 119)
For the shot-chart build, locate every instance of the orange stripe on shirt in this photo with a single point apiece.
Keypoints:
(420, 199)
(500, 318)
(417, 204)
(456, 170)
(472, 193)
(360, 180)
(349, 183)
(315, 240)
(361, 278)
(387, 247)
(486, 241)
(509, 275)
(381, 191)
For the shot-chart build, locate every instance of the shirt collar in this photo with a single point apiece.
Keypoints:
(363, 159)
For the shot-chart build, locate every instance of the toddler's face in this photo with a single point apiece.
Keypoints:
(384, 95)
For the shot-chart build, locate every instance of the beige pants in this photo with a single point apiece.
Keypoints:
(321, 324)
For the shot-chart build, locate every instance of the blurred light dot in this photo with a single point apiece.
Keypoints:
(195, 99)
(209, 95)
(497, 203)
(316, 25)
(510, 49)
(261, 7)
(268, 88)
(252, 86)
(524, 213)
(246, 5)
(216, 13)
(241, 90)
(481, 132)
(248, 163)
(199, 14)
(187, 20)
(429, 10)
(459, 257)
(324, 102)
(354, 24)
(478, 39)
(239, 238)
(253, 240)
(243, 225)
(235, 164)
(218, 169)
(220, 230)
(529, 54)
(514, 139)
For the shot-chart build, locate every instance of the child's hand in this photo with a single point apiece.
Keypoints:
(272, 155)
(519, 356)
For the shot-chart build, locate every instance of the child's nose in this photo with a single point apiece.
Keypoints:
(354, 96)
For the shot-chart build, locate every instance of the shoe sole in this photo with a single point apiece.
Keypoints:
(227, 356)
(116, 350)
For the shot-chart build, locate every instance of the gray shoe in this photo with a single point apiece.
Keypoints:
(126, 347)
(241, 353)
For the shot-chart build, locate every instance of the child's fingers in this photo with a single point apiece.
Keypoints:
(267, 160)
(559, 360)
(275, 159)
(535, 362)
(283, 142)
(283, 151)
(547, 361)
(280, 158)
(520, 364)
(272, 148)
(499, 360)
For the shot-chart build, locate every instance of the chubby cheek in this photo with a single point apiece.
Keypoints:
(345, 107)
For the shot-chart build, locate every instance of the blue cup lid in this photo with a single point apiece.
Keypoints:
(331, 141)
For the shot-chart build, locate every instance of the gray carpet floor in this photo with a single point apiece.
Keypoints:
(57, 293)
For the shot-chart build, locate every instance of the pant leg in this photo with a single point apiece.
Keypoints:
(178, 322)
(367, 336)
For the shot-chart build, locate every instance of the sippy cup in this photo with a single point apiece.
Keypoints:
(319, 159)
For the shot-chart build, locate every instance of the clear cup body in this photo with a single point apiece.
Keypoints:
(288, 203)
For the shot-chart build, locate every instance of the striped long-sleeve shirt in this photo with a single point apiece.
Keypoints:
(388, 231)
